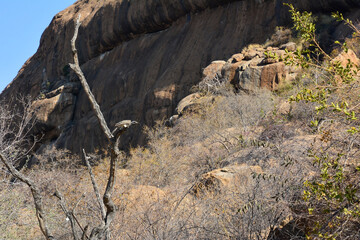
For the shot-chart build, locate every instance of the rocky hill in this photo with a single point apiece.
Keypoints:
(260, 138)
(141, 58)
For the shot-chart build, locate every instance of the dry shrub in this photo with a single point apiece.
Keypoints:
(214, 85)
(17, 214)
(230, 213)
(282, 35)
(198, 143)
(176, 158)
(56, 170)
(154, 193)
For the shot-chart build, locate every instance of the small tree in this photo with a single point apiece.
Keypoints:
(332, 196)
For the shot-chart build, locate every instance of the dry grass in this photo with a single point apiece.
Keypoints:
(155, 194)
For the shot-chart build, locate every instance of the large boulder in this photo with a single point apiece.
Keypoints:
(193, 103)
(213, 69)
(271, 75)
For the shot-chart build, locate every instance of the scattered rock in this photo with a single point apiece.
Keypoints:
(290, 46)
(344, 58)
(214, 68)
(237, 178)
(251, 69)
(236, 58)
(186, 102)
(252, 53)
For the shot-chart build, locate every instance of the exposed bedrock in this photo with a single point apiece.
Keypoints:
(142, 57)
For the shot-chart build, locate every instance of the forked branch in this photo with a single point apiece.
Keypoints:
(103, 230)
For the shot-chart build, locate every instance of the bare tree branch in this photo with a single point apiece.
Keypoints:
(67, 212)
(84, 236)
(76, 67)
(103, 230)
(40, 214)
(95, 186)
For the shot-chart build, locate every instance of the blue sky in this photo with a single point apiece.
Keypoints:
(22, 22)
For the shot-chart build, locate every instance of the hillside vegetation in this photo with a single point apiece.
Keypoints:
(279, 162)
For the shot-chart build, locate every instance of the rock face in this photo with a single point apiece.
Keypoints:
(141, 57)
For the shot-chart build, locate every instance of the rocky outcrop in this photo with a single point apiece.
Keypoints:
(251, 69)
(142, 57)
(55, 109)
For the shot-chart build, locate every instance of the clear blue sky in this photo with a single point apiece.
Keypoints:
(21, 24)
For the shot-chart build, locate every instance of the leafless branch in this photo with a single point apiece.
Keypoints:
(76, 67)
(67, 212)
(103, 230)
(95, 186)
(40, 214)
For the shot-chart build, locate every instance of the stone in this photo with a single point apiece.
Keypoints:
(236, 58)
(270, 60)
(214, 68)
(345, 57)
(250, 78)
(260, 76)
(56, 111)
(186, 102)
(236, 178)
(171, 122)
(229, 70)
(71, 87)
(272, 75)
(252, 53)
(290, 46)
(193, 103)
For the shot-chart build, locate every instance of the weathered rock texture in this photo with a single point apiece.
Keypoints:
(141, 57)
(250, 70)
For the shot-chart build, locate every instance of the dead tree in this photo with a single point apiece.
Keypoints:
(113, 138)
(107, 215)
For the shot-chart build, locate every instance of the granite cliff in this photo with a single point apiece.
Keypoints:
(141, 58)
